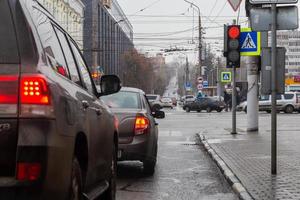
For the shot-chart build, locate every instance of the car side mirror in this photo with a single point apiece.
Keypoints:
(159, 114)
(109, 84)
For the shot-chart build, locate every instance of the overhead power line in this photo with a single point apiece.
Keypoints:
(149, 6)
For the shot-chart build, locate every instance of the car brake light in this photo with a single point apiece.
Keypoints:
(28, 171)
(141, 125)
(34, 90)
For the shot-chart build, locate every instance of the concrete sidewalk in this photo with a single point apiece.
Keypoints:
(247, 156)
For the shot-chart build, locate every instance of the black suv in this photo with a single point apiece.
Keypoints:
(57, 139)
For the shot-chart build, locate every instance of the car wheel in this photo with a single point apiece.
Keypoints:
(289, 109)
(110, 194)
(76, 181)
(219, 109)
(268, 111)
(149, 165)
(208, 109)
(187, 109)
(198, 111)
(245, 110)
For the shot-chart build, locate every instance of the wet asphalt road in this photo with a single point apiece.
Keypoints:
(184, 170)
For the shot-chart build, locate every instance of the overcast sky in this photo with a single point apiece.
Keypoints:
(156, 23)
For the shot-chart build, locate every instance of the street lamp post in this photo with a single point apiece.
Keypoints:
(200, 35)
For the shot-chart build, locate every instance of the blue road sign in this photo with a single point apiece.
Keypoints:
(226, 77)
(250, 42)
(205, 84)
(188, 85)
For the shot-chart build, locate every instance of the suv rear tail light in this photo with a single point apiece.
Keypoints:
(34, 90)
(35, 98)
(28, 171)
(141, 125)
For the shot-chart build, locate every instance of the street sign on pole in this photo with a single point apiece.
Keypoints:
(205, 84)
(274, 94)
(200, 87)
(273, 1)
(235, 4)
(287, 18)
(250, 42)
(226, 77)
(266, 84)
(200, 79)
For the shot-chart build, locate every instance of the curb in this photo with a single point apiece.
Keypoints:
(231, 178)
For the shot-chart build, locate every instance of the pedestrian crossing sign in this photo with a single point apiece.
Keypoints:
(226, 77)
(250, 42)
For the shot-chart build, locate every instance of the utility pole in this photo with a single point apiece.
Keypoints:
(200, 35)
(218, 79)
(200, 44)
(186, 74)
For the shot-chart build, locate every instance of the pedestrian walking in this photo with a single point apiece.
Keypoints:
(226, 100)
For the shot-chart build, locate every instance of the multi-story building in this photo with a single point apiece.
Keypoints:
(107, 36)
(69, 14)
(291, 41)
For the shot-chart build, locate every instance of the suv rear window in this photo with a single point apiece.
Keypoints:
(288, 96)
(8, 48)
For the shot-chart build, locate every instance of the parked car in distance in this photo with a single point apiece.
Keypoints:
(138, 132)
(58, 140)
(167, 102)
(204, 103)
(155, 101)
(288, 103)
(218, 98)
(188, 98)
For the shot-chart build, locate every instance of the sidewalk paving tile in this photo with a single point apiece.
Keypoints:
(248, 156)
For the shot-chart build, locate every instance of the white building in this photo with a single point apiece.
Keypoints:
(69, 14)
(291, 41)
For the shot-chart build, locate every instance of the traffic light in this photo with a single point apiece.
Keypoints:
(232, 45)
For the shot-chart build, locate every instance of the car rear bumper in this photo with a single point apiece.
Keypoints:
(139, 148)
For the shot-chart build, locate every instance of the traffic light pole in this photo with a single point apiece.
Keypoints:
(233, 101)
(233, 131)
(232, 53)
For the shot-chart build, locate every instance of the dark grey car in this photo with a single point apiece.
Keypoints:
(138, 132)
(57, 139)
